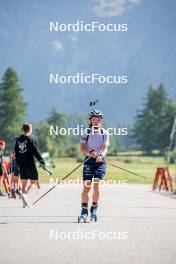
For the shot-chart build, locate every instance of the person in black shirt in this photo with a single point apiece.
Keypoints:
(26, 151)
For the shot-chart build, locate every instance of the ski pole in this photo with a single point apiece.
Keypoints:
(134, 173)
(66, 176)
(48, 171)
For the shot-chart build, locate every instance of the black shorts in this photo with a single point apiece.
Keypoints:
(16, 171)
(1, 170)
(30, 173)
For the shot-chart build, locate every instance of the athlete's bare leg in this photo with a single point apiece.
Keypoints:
(95, 196)
(1, 186)
(86, 190)
(33, 183)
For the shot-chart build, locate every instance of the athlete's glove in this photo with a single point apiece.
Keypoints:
(42, 162)
(99, 157)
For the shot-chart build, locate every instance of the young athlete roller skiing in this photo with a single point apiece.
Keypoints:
(94, 144)
(26, 151)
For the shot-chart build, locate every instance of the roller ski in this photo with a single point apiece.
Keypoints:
(93, 212)
(84, 214)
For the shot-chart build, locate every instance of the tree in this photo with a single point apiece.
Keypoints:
(43, 138)
(58, 119)
(54, 144)
(12, 107)
(154, 122)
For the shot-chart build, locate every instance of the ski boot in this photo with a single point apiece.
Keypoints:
(13, 194)
(84, 213)
(93, 212)
(18, 193)
(25, 200)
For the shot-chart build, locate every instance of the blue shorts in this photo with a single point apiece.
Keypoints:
(94, 170)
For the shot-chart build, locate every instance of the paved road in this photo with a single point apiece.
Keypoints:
(134, 226)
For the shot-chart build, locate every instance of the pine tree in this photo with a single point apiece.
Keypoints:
(12, 107)
(154, 122)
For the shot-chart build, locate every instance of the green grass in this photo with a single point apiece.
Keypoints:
(145, 166)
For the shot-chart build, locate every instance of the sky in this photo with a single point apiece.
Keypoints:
(146, 53)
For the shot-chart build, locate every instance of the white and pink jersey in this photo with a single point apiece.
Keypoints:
(95, 140)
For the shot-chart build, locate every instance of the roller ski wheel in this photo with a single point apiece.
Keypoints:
(93, 218)
(82, 219)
